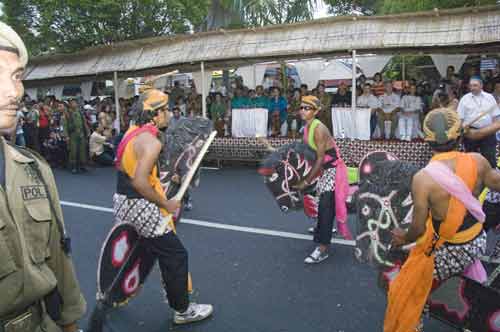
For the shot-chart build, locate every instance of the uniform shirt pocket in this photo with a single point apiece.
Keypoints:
(38, 229)
(7, 264)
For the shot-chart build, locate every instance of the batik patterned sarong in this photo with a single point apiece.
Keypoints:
(327, 181)
(144, 215)
(453, 259)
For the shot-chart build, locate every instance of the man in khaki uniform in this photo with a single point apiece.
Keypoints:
(38, 286)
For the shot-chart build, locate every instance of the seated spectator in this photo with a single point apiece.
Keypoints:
(100, 150)
(278, 109)
(304, 91)
(368, 100)
(181, 105)
(387, 116)
(261, 100)
(409, 118)
(378, 88)
(343, 96)
(325, 115)
(176, 116)
(294, 119)
(57, 152)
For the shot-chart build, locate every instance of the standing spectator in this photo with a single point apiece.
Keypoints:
(278, 107)
(475, 103)
(76, 131)
(176, 92)
(43, 126)
(106, 120)
(378, 88)
(368, 100)
(496, 91)
(390, 107)
(409, 118)
(218, 112)
(19, 129)
(325, 115)
(100, 150)
(30, 127)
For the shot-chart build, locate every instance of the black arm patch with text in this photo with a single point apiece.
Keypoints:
(33, 192)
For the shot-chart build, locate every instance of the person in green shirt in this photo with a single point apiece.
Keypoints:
(76, 131)
(238, 101)
(218, 112)
(260, 100)
(218, 108)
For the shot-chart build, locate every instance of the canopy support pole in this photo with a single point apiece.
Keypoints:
(117, 100)
(353, 89)
(203, 91)
(404, 68)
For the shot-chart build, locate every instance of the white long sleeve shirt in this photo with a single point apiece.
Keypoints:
(369, 101)
(471, 106)
(411, 104)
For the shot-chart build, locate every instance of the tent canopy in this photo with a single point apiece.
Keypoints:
(465, 30)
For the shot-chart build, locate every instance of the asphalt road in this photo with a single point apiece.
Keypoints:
(257, 282)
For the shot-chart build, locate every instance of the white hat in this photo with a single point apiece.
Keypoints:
(10, 41)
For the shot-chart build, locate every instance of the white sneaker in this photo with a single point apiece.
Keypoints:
(194, 313)
(316, 257)
(312, 230)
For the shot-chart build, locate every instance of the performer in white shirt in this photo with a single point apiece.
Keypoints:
(390, 107)
(409, 118)
(471, 106)
(368, 100)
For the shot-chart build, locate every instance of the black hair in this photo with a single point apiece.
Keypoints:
(143, 117)
(445, 147)
(95, 126)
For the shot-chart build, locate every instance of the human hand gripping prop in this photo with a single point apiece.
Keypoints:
(284, 171)
(124, 264)
(385, 206)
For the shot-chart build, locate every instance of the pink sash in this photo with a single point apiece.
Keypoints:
(341, 188)
(128, 137)
(450, 182)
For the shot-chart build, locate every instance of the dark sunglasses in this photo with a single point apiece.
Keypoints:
(307, 108)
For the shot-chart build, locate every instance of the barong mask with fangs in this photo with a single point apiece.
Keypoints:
(285, 168)
(384, 203)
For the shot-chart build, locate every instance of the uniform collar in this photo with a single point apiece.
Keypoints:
(12, 153)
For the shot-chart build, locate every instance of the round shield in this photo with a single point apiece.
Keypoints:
(123, 266)
(384, 202)
(367, 164)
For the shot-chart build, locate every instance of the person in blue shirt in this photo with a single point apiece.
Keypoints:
(278, 104)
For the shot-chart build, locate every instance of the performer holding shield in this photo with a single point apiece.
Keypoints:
(140, 200)
(447, 221)
(332, 187)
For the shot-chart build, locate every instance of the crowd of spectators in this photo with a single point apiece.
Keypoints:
(72, 132)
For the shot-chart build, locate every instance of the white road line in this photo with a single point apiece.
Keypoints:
(210, 168)
(209, 224)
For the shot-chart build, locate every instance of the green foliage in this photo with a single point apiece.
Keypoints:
(255, 13)
(347, 7)
(401, 6)
(69, 25)
(379, 7)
